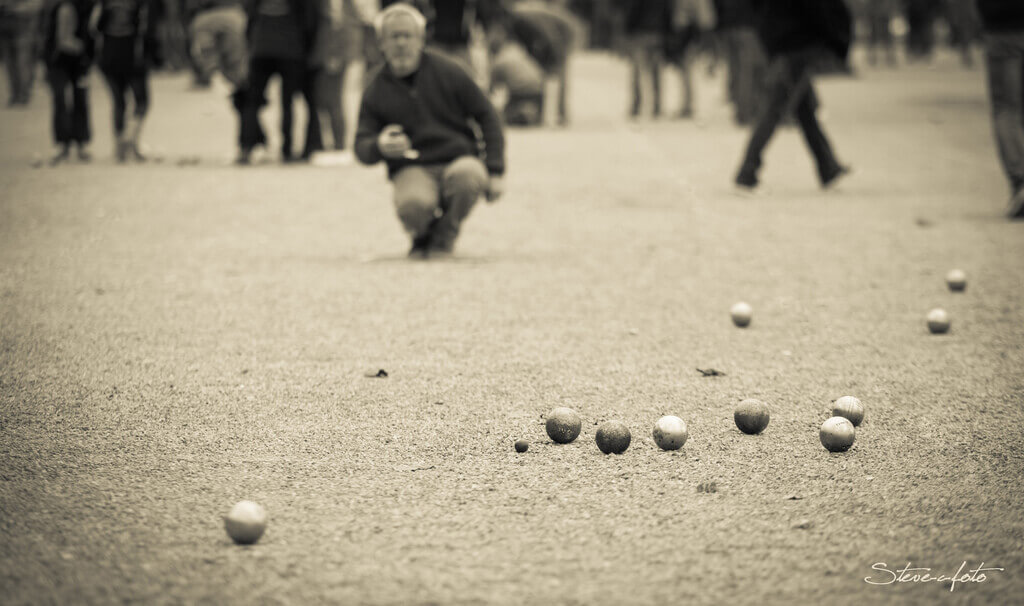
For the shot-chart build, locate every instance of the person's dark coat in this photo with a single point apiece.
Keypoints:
(788, 26)
(647, 16)
(735, 13)
(1002, 15)
(305, 12)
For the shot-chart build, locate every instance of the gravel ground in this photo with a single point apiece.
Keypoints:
(174, 339)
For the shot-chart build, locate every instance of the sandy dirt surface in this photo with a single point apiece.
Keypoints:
(174, 339)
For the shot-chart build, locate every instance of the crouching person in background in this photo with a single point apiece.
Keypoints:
(515, 72)
(217, 29)
(416, 115)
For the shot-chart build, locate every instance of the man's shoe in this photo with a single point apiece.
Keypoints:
(1016, 208)
(747, 180)
(133, 149)
(829, 179)
(420, 246)
(61, 156)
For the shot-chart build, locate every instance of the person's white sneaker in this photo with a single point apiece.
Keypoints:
(332, 158)
(1016, 208)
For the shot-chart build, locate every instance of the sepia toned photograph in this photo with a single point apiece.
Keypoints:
(473, 302)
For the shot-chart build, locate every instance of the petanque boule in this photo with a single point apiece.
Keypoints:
(956, 280)
(938, 321)
(741, 314)
(522, 445)
(850, 408)
(246, 522)
(613, 437)
(563, 425)
(670, 433)
(751, 416)
(837, 434)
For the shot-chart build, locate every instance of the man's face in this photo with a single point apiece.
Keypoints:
(402, 44)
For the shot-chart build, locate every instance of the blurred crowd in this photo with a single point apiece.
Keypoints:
(309, 44)
(512, 49)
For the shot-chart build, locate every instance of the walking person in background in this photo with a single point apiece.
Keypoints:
(19, 25)
(280, 37)
(964, 28)
(68, 53)
(880, 14)
(339, 42)
(451, 22)
(127, 49)
(798, 36)
(646, 23)
(692, 20)
(737, 23)
(415, 116)
(1003, 22)
(921, 15)
(217, 31)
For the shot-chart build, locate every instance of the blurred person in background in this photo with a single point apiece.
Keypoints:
(19, 27)
(450, 25)
(599, 17)
(921, 16)
(68, 52)
(800, 36)
(1003, 23)
(964, 28)
(521, 77)
(171, 32)
(339, 42)
(416, 116)
(879, 15)
(692, 21)
(280, 36)
(127, 49)
(217, 33)
(645, 24)
(547, 33)
(747, 63)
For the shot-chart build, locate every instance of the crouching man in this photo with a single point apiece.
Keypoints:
(420, 114)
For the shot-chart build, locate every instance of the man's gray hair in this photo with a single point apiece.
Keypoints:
(400, 8)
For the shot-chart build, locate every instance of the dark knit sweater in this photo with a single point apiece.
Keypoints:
(434, 110)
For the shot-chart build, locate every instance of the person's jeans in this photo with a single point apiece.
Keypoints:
(747, 65)
(330, 102)
(218, 41)
(644, 51)
(433, 200)
(293, 74)
(119, 84)
(1004, 59)
(790, 88)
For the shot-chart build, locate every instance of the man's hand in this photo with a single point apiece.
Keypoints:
(393, 142)
(495, 187)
